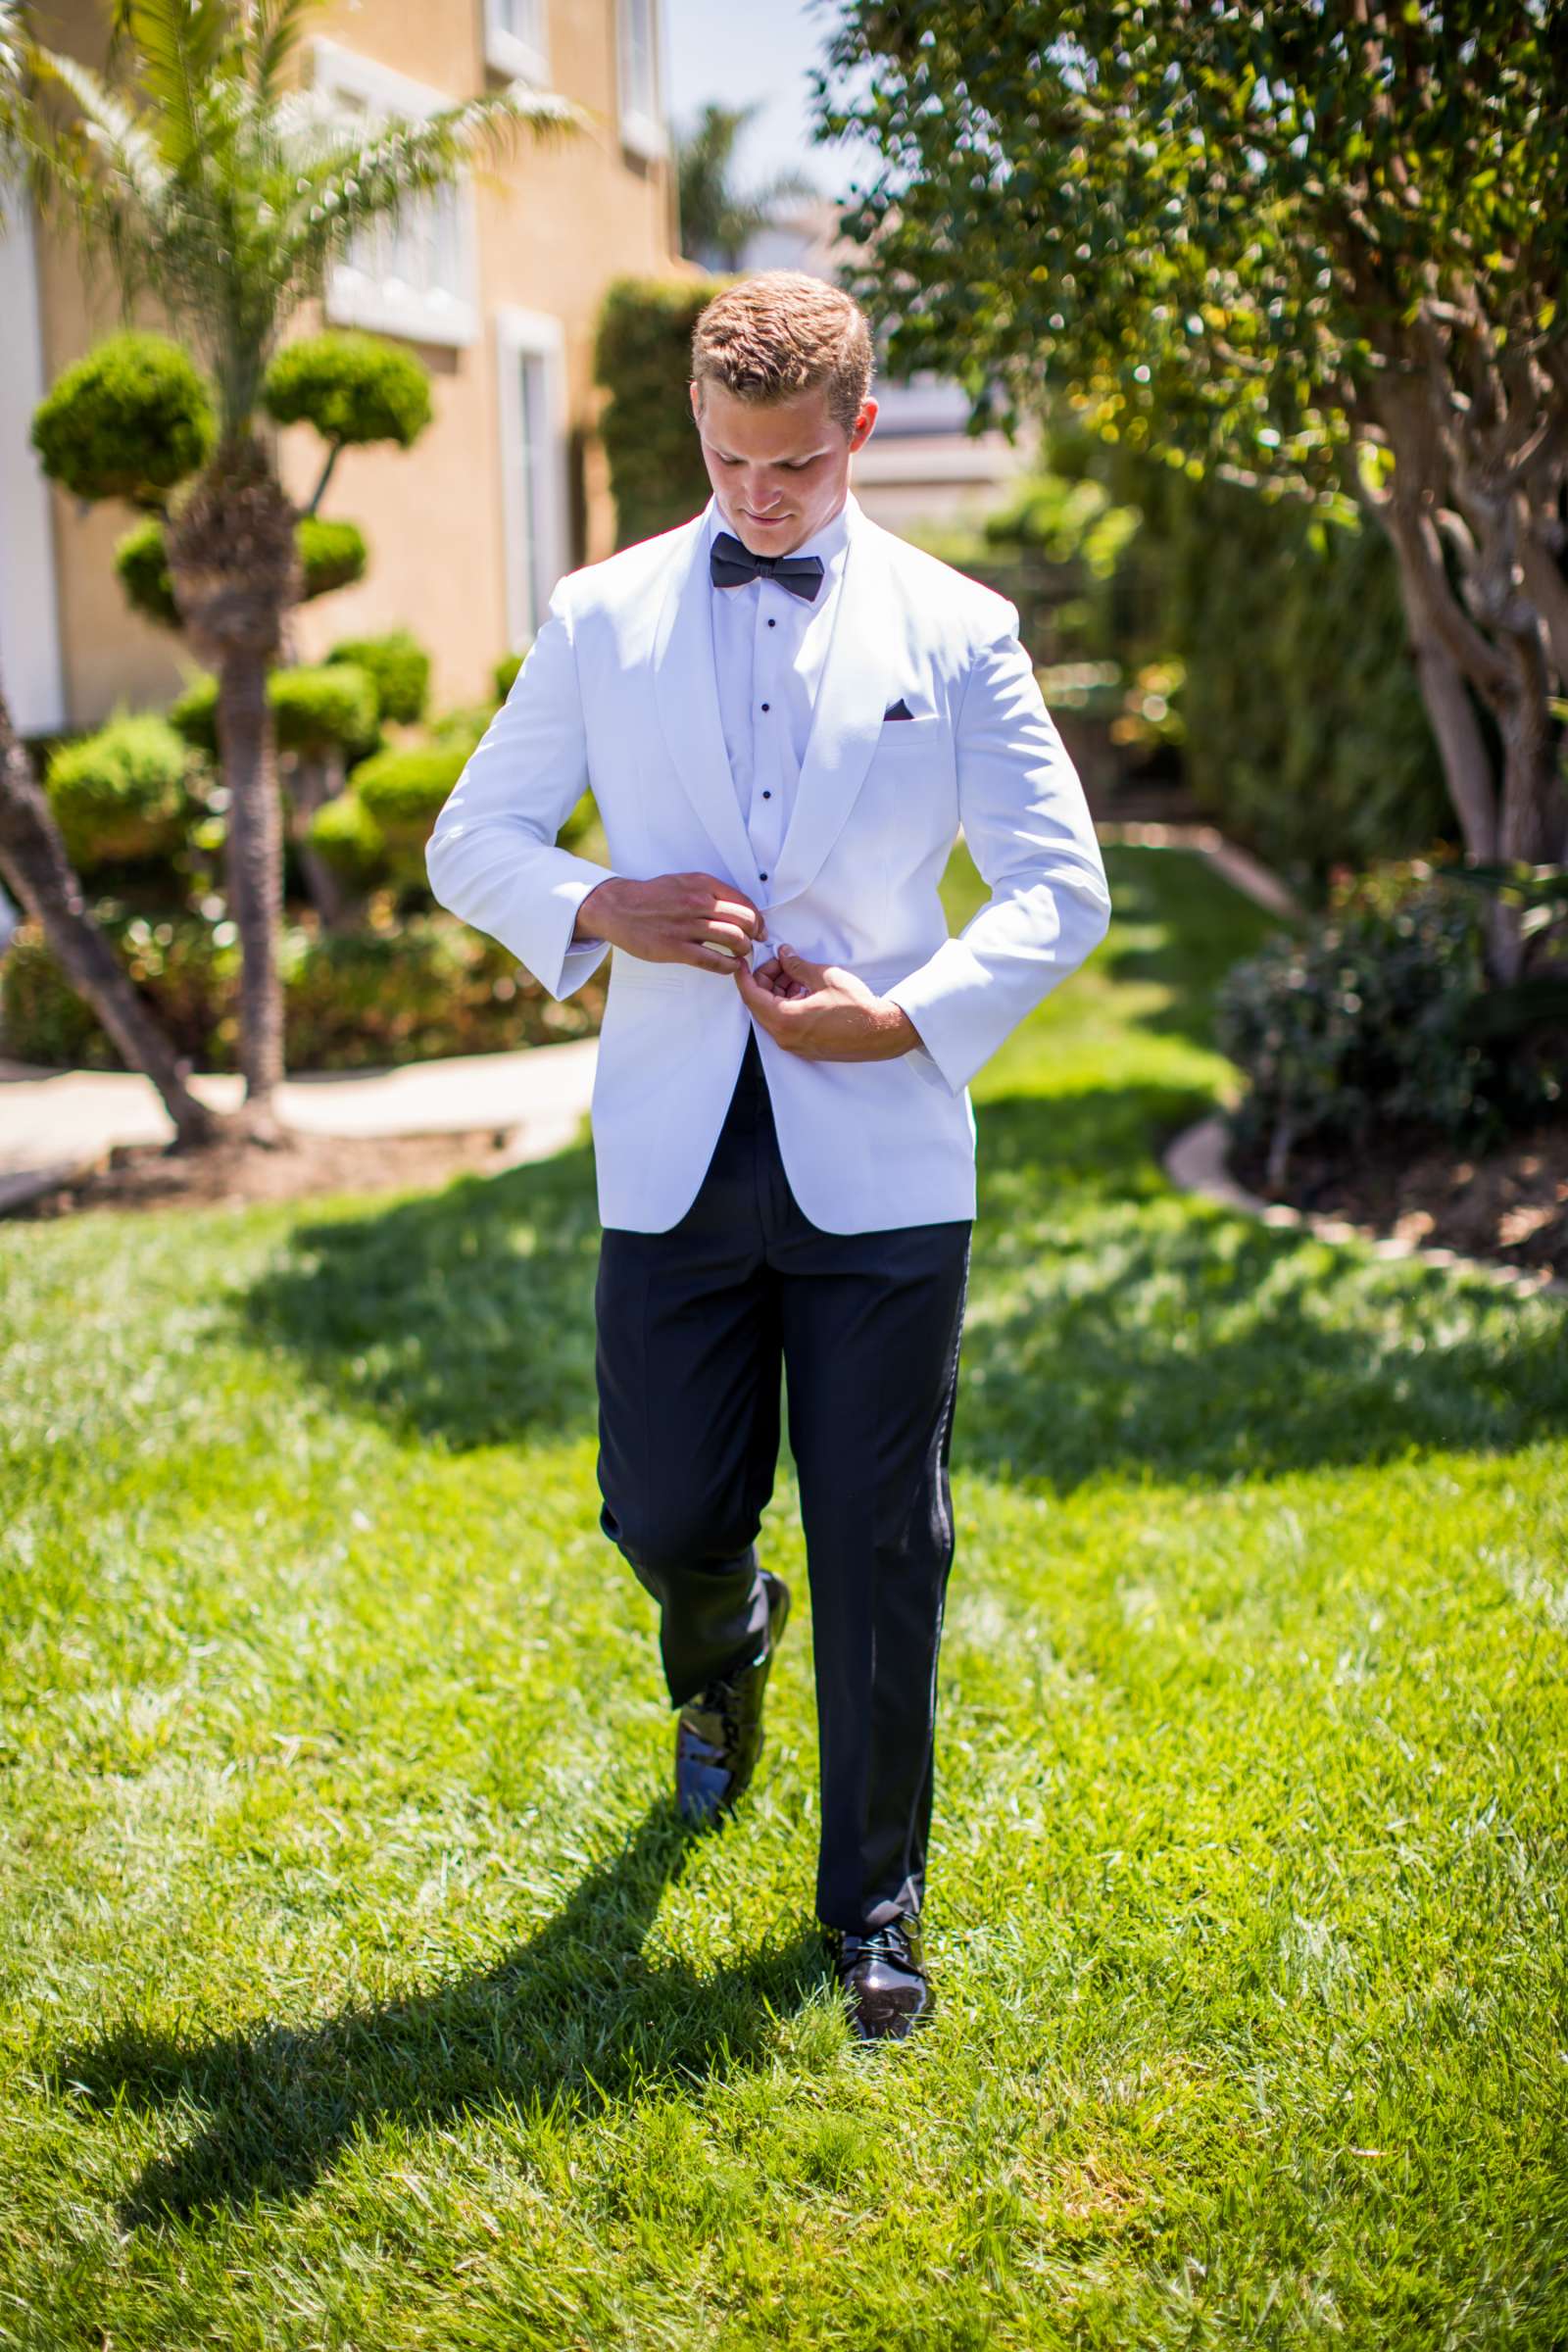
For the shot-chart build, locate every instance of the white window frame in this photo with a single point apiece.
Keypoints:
(30, 605)
(642, 127)
(541, 501)
(357, 296)
(525, 56)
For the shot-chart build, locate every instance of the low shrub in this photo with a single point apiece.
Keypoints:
(400, 666)
(352, 1000)
(347, 838)
(1366, 1020)
(121, 793)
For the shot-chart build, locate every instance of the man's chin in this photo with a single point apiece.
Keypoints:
(768, 539)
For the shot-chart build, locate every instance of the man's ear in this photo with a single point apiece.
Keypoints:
(864, 422)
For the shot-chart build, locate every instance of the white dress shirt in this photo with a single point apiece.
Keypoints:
(769, 646)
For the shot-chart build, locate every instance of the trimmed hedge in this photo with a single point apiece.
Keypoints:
(121, 794)
(352, 1000)
(128, 419)
(1304, 729)
(642, 357)
(400, 666)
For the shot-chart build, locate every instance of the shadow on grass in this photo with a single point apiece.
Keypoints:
(575, 2019)
(1115, 1327)
(464, 1314)
(1202, 926)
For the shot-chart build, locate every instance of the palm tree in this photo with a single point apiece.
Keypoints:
(718, 219)
(211, 182)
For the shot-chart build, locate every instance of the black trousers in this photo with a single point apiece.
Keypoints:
(693, 1326)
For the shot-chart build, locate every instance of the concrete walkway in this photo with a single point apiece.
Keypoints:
(55, 1124)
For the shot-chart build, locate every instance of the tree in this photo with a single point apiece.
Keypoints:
(719, 220)
(1321, 250)
(224, 192)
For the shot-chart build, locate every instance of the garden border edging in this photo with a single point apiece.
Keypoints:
(1197, 1162)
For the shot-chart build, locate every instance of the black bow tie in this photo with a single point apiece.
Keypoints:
(731, 565)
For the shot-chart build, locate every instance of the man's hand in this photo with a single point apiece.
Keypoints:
(823, 1013)
(676, 918)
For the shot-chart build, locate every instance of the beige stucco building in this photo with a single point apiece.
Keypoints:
(496, 285)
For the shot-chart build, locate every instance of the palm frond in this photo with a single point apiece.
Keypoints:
(110, 126)
(179, 45)
(276, 32)
(411, 157)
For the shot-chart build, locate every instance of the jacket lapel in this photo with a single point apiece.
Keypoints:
(846, 720)
(686, 691)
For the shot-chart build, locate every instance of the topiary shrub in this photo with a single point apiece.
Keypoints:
(403, 791)
(345, 834)
(141, 565)
(332, 554)
(400, 666)
(315, 707)
(1364, 1021)
(129, 420)
(353, 388)
(121, 794)
(643, 358)
(323, 707)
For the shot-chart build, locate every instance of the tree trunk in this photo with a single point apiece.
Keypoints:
(253, 873)
(1455, 728)
(40, 877)
(235, 573)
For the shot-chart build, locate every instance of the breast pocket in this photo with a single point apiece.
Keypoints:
(900, 737)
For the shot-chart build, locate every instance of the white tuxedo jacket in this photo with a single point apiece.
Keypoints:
(618, 692)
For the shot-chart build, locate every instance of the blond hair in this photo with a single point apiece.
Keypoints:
(782, 333)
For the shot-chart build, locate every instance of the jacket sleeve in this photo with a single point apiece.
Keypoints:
(1027, 826)
(492, 857)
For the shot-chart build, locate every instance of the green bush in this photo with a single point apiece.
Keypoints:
(314, 705)
(319, 707)
(403, 791)
(350, 841)
(121, 794)
(353, 388)
(1301, 721)
(352, 1000)
(400, 667)
(505, 672)
(642, 357)
(332, 554)
(128, 419)
(141, 565)
(1365, 1021)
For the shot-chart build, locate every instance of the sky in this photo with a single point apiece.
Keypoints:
(733, 51)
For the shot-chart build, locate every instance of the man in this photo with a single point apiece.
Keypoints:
(785, 714)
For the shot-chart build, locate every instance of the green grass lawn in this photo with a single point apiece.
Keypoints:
(358, 1989)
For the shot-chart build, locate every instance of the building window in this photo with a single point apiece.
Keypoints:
(642, 127)
(516, 38)
(529, 351)
(415, 277)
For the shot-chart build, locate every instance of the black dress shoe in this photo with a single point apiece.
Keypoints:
(883, 1978)
(718, 1735)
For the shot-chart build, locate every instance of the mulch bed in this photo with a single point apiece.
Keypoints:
(150, 1176)
(1509, 1205)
